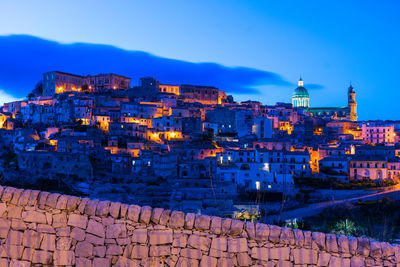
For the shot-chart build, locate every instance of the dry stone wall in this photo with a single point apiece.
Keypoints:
(40, 229)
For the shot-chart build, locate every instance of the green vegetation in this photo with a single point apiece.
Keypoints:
(378, 220)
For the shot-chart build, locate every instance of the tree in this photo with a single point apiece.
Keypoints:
(30, 96)
(38, 90)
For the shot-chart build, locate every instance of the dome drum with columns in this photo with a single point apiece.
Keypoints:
(301, 99)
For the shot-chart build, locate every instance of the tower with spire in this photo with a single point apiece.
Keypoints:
(351, 103)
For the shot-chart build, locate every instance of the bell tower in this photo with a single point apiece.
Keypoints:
(351, 103)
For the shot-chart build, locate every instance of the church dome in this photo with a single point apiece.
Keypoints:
(301, 92)
(300, 97)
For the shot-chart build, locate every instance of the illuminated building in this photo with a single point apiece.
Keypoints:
(57, 82)
(378, 133)
(301, 99)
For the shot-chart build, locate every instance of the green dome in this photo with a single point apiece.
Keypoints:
(301, 92)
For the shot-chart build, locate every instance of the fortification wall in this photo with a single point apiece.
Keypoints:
(39, 228)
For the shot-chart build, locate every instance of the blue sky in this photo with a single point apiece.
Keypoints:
(328, 43)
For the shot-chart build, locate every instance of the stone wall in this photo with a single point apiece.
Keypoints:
(39, 228)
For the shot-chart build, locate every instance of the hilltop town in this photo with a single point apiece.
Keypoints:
(191, 147)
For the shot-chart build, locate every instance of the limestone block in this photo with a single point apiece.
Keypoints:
(83, 262)
(114, 250)
(63, 232)
(177, 219)
(375, 249)
(164, 218)
(62, 202)
(114, 209)
(101, 262)
(63, 243)
(51, 200)
(287, 236)
(226, 226)
(78, 234)
(31, 239)
(27, 254)
(42, 257)
(16, 196)
(305, 256)
(156, 215)
(125, 262)
(186, 262)
(34, 216)
(343, 244)
(7, 194)
(158, 251)
(84, 249)
(274, 233)
(179, 240)
(140, 252)
(48, 242)
(82, 204)
(78, 220)
(45, 228)
(237, 245)
(158, 237)
(281, 253)
(24, 198)
(11, 251)
(191, 253)
(139, 236)
(363, 246)
(225, 262)
(219, 243)
(387, 250)
(338, 262)
(14, 212)
(103, 208)
(323, 258)
(298, 237)
(236, 227)
(15, 263)
(243, 259)
(33, 198)
(18, 225)
(200, 242)
(116, 230)
(331, 243)
(207, 261)
(72, 203)
(202, 222)
(189, 220)
(353, 245)
(250, 228)
(4, 227)
(216, 225)
(99, 251)
(134, 213)
(123, 211)
(95, 228)
(62, 257)
(3, 209)
(307, 239)
(145, 215)
(14, 237)
(91, 207)
(357, 261)
(319, 240)
(94, 239)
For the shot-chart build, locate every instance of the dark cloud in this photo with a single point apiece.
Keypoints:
(24, 58)
(313, 86)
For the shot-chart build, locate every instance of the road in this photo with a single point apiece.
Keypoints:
(314, 209)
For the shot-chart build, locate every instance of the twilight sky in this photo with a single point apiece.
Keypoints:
(328, 43)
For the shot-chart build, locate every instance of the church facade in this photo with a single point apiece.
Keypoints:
(301, 99)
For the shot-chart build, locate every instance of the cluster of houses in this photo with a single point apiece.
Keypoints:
(207, 147)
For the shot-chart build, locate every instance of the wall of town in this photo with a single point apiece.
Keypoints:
(38, 228)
